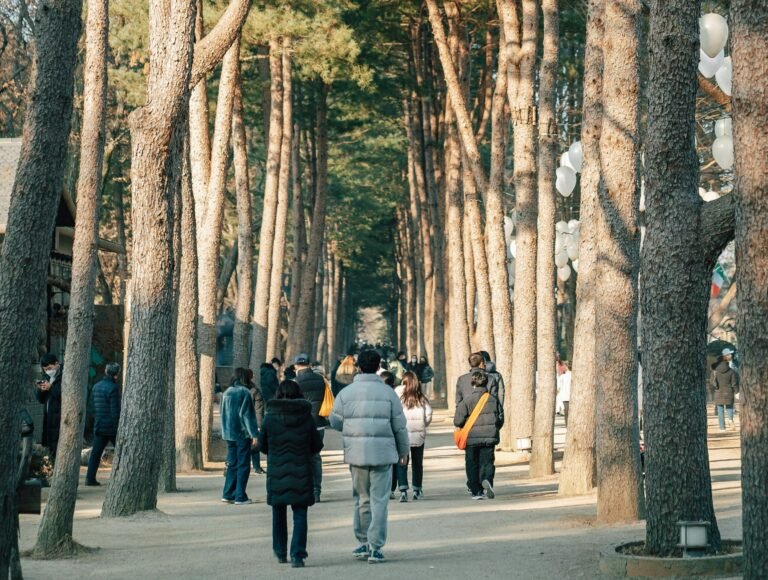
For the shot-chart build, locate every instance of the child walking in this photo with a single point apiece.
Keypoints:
(483, 437)
(418, 414)
(289, 439)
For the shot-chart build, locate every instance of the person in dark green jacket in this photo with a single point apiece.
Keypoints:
(290, 440)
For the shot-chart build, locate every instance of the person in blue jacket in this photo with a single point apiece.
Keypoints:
(240, 430)
(106, 405)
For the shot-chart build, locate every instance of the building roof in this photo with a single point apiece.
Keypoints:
(10, 149)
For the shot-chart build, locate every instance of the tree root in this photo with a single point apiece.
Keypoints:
(65, 548)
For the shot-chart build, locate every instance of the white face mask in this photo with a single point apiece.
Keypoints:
(52, 372)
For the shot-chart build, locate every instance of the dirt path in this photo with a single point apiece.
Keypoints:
(527, 532)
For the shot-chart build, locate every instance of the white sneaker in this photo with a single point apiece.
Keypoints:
(489, 493)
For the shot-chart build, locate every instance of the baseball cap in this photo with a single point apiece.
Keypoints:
(301, 359)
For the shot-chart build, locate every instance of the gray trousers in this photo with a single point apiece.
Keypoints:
(370, 488)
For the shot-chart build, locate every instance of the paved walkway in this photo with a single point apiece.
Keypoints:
(527, 532)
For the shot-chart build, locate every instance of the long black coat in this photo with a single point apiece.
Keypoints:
(52, 412)
(485, 431)
(312, 386)
(726, 383)
(106, 405)
(289, 438)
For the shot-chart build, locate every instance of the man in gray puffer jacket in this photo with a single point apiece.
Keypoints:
(370, 416)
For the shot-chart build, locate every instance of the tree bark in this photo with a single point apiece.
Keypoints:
(210, 264)
(300, 337)
(189, 450)
(520, 68)
(578, 474)
(55, 533)
(496, 245)
(750, 116)
(619, 486)
(298, 227)
(210, 49)
(283, 201)
(199, 134)
(26, 246)
(678, 482)
(156, 141)
(242, 331)
(543, 444)
(270, 211)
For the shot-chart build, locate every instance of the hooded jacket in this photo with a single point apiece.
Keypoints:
(485, 431)
(289, 439)
(464, 384)
(312, 385)
(726, 383)
(238, 417)
(417, 420)
(370, 416)
(268, 381)
(496, 381)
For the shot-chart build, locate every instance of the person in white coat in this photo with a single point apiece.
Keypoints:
(418, 415)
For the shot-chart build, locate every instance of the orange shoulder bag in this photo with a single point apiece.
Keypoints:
(460, 436)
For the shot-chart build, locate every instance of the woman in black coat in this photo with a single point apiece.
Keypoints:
(289, 438)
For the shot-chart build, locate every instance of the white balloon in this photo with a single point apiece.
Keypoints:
(709, 195)
(561, 227)
(722, 151)
(576, 155)
(576, 239)
(559, 243)
(564, 273)
(575, 265)
(511, 268)
(565, 161)
(708, 66)
(713, 33)
(566, 181)
(561, 259)
(573, 251)
(724, 127)
(513, 248)
(573, 226)
(724, 75)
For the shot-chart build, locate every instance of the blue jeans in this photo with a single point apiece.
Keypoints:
(238, 469)
(721, 409)
(280, 531)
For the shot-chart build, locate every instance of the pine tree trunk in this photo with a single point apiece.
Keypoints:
(199, 135)
(678, 481)
(578, 474)
(458, 334)
(189, 450)
(496, 245)
(299, 230)
(543, 444)
(300, 337)
(26, 246)
(283, 200)
(619, 486)
(521, 99)
(210, 234)
(156, 139)
(269, 212)
(750, 116)
(242, 332)
(55, 533)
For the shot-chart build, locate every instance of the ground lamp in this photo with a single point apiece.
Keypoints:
(524, 444)
(694, 538)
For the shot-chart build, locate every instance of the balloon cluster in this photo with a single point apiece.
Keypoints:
(509, 229)
(713, 37)
(567, 238)
(570, 165)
